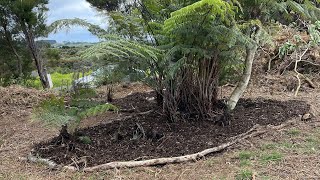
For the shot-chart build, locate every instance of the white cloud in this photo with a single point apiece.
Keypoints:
(68, 9)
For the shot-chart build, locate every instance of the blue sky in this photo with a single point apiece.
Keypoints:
(68, 9)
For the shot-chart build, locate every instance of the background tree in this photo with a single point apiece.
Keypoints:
(28, 18)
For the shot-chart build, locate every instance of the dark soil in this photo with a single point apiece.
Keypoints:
(146, 136)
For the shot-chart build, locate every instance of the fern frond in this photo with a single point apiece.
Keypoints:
(67, 24)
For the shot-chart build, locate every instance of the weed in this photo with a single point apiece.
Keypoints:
(210, 162)
(245, 163)
(85, 139)
(97, 110)
(245, 155)
(52, 111)
(269, 146)
(244, 175)
(83, 103)
(289, 145)
(271, 157)
(293, 132)
(85, 93)
(312, 145)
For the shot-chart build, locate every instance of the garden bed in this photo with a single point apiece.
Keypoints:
(142, 136)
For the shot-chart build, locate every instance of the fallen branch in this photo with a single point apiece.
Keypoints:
(31, 158)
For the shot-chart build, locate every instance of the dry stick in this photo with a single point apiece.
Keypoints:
(297, 73)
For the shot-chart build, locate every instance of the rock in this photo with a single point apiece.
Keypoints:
(306, 117)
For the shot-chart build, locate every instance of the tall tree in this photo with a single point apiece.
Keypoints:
(7, 31)
(28, 16)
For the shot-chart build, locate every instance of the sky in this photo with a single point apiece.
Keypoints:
(68, 9)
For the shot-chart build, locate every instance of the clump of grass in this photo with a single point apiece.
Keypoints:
(245, 157)
(293, 132)
(85, 93)
(244, 175)
(269, 146)
(271, 157)
(312, 145)
(210, 162)
(289, 145)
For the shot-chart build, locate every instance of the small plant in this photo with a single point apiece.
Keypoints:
(84, 93)
(244, 175)
(97, 110)
(293, 132)
(85, 139)
(245, 155)
(52, 111)
(83, 103)
(271, 157)
(269, 146)
(286, 49)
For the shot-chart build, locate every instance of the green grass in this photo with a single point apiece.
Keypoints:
(271, 157)
(269, 146)
(244, 174)
(293, 132)
(58, 80)
(245, 157)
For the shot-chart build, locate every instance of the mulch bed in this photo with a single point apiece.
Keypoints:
(124, 140)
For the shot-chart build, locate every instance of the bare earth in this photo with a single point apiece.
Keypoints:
(290, 153)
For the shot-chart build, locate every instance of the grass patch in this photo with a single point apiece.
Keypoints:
(293, 132)
(244, 163)
(58, 80)
(244, 175)
(245, 157)
(271, 157)
(311, 145)
(269, 146)
(210, 162)
(85, 93)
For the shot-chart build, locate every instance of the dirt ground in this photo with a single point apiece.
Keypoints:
(289, 153)
(147, 136)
